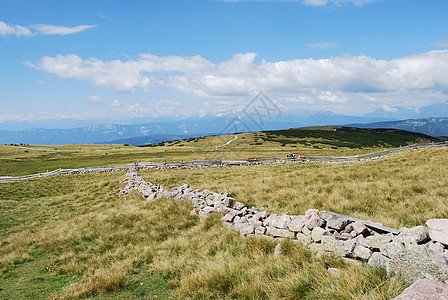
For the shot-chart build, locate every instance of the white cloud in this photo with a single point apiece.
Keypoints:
(60, 30)
(331, 97)
(159, 108)
(345, 84)
(388, 108)
(17, 30)
(240, 76)
(442, 43)
(96, 99)
(336, 2)
(312, 2)
(322, 45)
(315, 2)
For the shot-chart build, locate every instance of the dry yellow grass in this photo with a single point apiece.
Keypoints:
(73, 237)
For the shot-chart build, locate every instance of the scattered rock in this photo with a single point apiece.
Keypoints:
(378, 260)
(379, 240)
(392, 249)
(317, 233)
(275, 232)
(436, 247)
(313, 220)
(337, 223)
(425, 289)
(334, 246)
(362, 252)
(304, 239)
(360, 228)
(296, 224)
(413, 236)
(438, 230)
(247, 229)
(278, 249)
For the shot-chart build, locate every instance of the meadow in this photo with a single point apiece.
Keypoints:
(71, 237)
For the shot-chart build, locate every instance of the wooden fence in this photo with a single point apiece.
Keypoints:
(226, 162)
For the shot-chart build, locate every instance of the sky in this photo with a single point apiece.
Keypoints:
(149, 60)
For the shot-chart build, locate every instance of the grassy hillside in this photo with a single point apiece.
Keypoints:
(336, 136)
(73, 237)
(311, 141)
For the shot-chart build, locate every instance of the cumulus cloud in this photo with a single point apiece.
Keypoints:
(241, 76)
(60, 30)
(18, 30)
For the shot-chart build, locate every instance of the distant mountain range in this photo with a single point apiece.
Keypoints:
(165, 131)
(151, 133)
(428, 126)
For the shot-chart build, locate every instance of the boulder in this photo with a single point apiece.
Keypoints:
(337, 223)
(296, 223)
(238, 205)
(229, 202)
(206, 212)
(438, 230)
(391, 249)
(278, 222)
(419, 263)
(260, 230)
(313, 220)
(334, 246)
(362, 252)
(276, 232)
(303, 239)
(425, 289)
(436, 247)
(306, 231)
(378, 260)
(228, 217)
(311, 211)
(326, 215)
(246, 229)
(360, 228)
(267, 221)
(379, 240)
(278, 249)
(317, 233)
(413, 236)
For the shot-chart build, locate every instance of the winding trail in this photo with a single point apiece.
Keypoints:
(225, 144)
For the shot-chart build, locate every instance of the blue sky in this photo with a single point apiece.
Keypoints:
(128, 61)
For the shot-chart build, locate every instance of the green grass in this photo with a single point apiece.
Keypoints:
(73, 237)
(15, 161)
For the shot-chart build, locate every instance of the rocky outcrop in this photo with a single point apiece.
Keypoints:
(410, 252)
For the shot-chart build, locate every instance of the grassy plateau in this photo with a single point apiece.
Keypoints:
(72, 237)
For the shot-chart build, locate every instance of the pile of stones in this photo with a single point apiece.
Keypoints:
(416, 253)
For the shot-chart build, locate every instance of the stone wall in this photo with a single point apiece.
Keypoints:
(409, 251)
